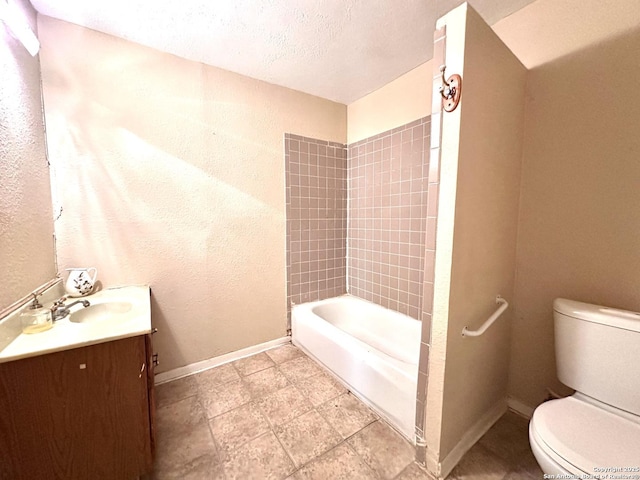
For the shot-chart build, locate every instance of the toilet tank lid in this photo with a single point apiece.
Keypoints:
(613, 317)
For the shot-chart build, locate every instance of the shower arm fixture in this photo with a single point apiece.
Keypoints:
(450, 90)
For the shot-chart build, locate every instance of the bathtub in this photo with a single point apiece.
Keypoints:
(371, 349)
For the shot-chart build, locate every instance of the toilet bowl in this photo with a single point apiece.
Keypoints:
(576, 436)
(594, 433)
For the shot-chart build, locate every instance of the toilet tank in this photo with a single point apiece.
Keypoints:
(598, 352)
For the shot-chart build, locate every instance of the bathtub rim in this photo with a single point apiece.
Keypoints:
(307, 309)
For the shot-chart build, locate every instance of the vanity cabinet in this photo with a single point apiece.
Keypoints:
(84, 413)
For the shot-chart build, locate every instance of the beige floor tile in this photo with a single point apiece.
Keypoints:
(414, 472)
(219, 399)
(238, 443)
(216, 376)
(385, 451)
(479, 464)
(253, 364)
(341, 463)
(512, 475)
(175, 390)
(299, 368)
(261, 458)
(179, 416)
(306, 437)
(284, 353)
(347, 414)
(206, 467)
(508, 438)
(175, 450)
(182, 435)
(265, 382)
(235, 428)
(525, 467)
(320, 388)
(284, 405)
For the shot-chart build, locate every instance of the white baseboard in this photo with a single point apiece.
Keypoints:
(217, 361)
(472, 435)
(520, 408)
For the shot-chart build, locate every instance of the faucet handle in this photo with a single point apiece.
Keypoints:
(59, 302)
(35, 303)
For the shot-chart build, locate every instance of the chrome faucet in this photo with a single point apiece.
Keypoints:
(59, 310)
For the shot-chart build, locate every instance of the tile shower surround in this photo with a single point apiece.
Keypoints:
(316, 206)
(385, 177)
(387, 217)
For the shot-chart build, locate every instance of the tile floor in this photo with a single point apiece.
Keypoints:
(278, 415)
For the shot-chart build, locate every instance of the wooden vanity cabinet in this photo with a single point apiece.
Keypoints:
(84, 413)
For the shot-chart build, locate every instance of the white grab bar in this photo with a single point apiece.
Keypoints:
(476, 333)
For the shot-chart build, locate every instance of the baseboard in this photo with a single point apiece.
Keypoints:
(219, 360)
(472, 435)
(520, 408)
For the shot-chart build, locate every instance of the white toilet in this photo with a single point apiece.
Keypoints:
(598, 427)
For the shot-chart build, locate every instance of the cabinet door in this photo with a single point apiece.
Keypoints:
(82, 413)
(40, 403)
(116, 410)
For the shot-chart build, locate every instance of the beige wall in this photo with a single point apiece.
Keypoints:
(579, 226)
(549, 29)
(27, 259)
(404, 100)
(171, 173)
(480, 166)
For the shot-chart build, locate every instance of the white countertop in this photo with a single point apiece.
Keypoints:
(65, 334)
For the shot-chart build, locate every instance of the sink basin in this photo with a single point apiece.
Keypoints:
(101, 312)
(114, 313)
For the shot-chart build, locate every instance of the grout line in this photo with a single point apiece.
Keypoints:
(219, 449)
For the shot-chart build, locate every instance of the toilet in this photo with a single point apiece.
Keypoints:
(596, 431)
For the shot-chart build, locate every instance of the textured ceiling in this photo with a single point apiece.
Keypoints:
(336, 49)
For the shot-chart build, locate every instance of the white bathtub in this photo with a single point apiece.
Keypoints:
(373, 350)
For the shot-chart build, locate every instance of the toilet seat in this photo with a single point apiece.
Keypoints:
(583, 438)
(549, 461)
